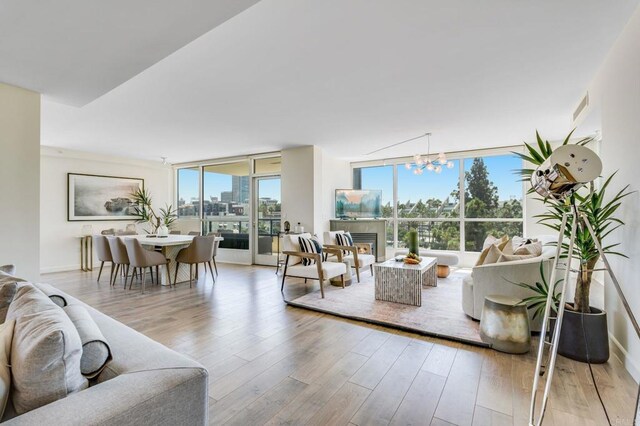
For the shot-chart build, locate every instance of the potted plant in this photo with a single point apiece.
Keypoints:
(584, 328)
(159, 222)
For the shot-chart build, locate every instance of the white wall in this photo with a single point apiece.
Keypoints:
(309, 180)
(20, 179)
(336, 174)
(615, 93)
(59, 249)
(299, 181)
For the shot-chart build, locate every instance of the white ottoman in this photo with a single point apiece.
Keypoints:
(445, 259)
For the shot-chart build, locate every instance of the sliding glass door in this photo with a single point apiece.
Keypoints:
(266, 222)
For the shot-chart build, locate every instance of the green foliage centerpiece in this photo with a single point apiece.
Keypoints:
(414, 248)
(142, 208)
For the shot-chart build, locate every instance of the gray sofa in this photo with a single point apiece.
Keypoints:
(145, 383)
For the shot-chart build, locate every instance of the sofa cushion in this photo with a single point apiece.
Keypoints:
(8, 269)
(363, 259)
(534, 248)
(329, 270)
(496, 250)
(45, 352)
(95, 349)
(511, 257)
(489, 242)
(6, 334)
(54, 294)
(7, 293)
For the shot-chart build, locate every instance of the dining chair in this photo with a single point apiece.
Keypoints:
(101, 244)
(142, 259)
(216, 244)
(119, 257)
(175, 232)
(109, 231)
(199, 251)
(122, 233)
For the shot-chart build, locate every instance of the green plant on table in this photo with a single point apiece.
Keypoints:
(146, 214)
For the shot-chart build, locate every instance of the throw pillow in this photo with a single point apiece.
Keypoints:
(6, 334)
(531, 248)
(54, 294)
(95, 349)
(493, 241)
(309, 245)
(511, 257)
(8, 269)
(344, 239)
(7, 293)
(45, 352)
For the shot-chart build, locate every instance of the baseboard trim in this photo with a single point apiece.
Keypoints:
(52, 269)
(625, 359)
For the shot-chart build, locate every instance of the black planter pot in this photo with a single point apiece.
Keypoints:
(573, 336)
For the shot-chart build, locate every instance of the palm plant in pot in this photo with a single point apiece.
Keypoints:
(584, 328)
(160, 221)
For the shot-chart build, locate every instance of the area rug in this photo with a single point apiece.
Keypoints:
(440, 315)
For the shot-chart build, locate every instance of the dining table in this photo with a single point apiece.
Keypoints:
(169, 246)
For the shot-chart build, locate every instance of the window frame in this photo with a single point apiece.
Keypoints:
(461, 219)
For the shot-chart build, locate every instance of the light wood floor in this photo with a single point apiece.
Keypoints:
(273, 364)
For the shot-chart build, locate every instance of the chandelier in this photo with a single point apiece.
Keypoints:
(421, 163)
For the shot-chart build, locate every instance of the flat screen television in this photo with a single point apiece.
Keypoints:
(358, 203)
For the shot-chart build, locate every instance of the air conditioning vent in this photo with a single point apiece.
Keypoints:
(584, 103)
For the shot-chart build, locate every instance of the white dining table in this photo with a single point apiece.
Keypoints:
(170, 246)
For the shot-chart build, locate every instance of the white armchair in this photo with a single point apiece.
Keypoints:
(320, 270)
(498, 278)
(357, 260)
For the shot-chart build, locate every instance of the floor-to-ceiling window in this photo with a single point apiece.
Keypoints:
(431, 202)
(225, 205)
(378, 177)
(188, 180)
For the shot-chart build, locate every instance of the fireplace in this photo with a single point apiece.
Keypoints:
(365, 231)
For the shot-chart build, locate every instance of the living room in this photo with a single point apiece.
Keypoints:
(280, 212)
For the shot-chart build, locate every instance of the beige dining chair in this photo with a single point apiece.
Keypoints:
(140, 258)
(103, 251)
(199, 251)
(109, 231)
(119, 257)
(216, 244)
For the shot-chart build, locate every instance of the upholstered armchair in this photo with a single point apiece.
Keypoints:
(358, 260)
(317, 270)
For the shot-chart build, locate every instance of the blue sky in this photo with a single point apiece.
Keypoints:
(432, 185)
(215, 183)
(410, 186)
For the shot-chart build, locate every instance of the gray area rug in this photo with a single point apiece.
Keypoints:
(440, 315)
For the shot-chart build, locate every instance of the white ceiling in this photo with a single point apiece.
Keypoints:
(77, 50)
(351, 76)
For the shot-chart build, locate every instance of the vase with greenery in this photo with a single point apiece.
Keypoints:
(165, 216)
(597, 207)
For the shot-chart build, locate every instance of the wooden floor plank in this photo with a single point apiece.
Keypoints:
(421, 400)
(381, 405)
(255, 346)
(342, 406)
(380, 362)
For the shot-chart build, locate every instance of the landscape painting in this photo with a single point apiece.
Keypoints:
(355, 203)
(94, 197)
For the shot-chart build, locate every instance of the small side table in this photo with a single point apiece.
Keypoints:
(337, 281)
(505, 324)
(86, 253)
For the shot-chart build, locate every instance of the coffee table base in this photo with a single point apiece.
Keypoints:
(401, 285)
